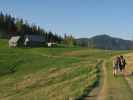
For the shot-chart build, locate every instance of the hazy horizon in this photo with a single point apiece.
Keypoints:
(82, 19)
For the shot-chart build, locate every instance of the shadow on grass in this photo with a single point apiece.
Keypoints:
(94, 85)
(10, 68)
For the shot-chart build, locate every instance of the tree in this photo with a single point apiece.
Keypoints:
(69, 40)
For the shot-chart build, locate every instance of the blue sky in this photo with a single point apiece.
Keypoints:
(81, 18)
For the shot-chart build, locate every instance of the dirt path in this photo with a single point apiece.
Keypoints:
(130, 83)
(112, 88)
(129, 70)
(99, 92)
(103, 92)
(117, 87)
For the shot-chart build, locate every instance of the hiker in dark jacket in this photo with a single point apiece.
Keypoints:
(122, 64)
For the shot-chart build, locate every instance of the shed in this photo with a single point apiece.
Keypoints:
(13, 42)
(34, 40)
(51, 44)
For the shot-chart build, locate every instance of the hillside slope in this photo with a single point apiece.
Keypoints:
(106, 42)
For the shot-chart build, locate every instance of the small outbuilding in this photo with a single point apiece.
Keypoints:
(51, 44)
(34, 40)
(14, 41)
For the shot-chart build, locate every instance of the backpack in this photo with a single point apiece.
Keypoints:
(123, 61)
(117, 61)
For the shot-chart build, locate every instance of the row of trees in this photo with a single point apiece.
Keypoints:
(14, 26)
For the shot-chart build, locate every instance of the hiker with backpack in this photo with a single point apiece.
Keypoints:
(122, 64)
(116, 64)
(119, 63)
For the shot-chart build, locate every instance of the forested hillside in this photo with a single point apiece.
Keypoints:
(15, 26)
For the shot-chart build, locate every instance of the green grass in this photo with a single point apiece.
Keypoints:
(49, 73)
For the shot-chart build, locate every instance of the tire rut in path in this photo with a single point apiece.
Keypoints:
(130, 83)
(99, 92)
(129, 60)
(103, 91)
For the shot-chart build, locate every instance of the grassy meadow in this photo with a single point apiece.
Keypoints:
(49, 73)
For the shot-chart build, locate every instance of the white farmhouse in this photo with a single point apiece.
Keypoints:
(13, 42)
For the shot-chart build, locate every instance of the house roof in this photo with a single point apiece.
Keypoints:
(36, 38)
(14, 39)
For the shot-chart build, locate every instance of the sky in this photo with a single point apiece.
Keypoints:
(80, 18)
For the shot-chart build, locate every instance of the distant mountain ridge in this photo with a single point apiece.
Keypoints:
(105, 42)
